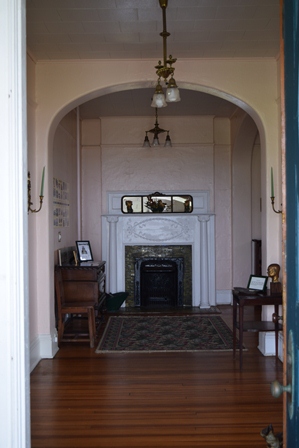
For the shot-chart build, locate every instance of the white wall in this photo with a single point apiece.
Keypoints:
(223, 206)
(32, 218)
(204, 163)
(91, 170)
(256, 180)
(14, 338)
(243, 144)
(65, 169)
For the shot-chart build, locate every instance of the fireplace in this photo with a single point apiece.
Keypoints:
(181, 253)
(159, 282)
(161, 231)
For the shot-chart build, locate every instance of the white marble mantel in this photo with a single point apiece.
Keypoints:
(195, 229)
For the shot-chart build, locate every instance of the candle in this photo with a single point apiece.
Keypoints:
(272, 184)
(42, 184)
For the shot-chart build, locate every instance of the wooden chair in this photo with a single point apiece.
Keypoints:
(76, 298)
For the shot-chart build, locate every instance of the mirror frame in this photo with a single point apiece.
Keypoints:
(157, 203)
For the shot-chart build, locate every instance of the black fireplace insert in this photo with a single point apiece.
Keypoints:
(159, 282)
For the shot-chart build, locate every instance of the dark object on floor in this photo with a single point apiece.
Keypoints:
(273, 440)
(115, 301)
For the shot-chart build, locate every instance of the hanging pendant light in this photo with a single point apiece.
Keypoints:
(165, 70)
(168, 140)
(172, 92)
(158, 97)
(146, 143)
(156, 140)
(156, 131)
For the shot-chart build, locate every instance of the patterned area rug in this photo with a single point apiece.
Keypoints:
(185, 310)
(165, 334)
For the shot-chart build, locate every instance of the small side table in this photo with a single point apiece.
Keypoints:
(240, 300)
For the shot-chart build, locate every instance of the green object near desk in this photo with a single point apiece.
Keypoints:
(115, 301)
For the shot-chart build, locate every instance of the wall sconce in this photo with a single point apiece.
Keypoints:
(41, 196)
(272, 194)
(273, 208)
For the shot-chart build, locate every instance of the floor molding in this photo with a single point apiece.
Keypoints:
(223, 297)
(42, 347)
(267, 344)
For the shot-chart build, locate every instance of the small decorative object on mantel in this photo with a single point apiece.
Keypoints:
(273, 272)
(272, 440)
(129, 205)
(187, 205)
(75, 257)
(156, 206)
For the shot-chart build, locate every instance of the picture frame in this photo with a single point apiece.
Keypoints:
(84, 251)
(257, 282)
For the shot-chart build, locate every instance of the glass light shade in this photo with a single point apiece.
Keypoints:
(172, 95)
(156, 141)
(172, 92)
(168, 140)
(146, 143)
(158, 100)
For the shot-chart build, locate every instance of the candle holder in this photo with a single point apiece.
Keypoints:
(272, 203)
(29, 197)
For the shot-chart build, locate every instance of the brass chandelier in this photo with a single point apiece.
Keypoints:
(156, 131)
(165, 70)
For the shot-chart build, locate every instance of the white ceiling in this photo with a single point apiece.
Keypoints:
(130, 29)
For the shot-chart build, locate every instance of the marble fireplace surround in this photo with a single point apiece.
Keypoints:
(196, 229)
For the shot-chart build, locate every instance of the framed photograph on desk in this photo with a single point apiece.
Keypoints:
(84, 251)
(257, 283)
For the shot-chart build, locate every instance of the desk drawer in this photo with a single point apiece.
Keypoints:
(81, 291)
(79, 275)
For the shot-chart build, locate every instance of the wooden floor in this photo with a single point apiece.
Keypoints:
(81, 399)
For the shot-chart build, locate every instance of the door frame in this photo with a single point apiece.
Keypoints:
(14, 342)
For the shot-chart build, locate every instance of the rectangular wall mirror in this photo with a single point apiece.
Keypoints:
(157, 203)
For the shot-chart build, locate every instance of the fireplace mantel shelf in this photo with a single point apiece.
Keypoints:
(196, 229)
(156, 215)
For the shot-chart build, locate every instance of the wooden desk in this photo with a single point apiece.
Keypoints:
(78, 281)
(79, 290)
(240, 300)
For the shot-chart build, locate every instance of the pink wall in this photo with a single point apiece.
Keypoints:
(203, 163)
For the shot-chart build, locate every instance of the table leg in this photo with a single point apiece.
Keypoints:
(241, 317)
(276, 331)
(234, 326)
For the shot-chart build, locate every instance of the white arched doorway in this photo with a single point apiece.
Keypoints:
(116, 150)
(94, 79)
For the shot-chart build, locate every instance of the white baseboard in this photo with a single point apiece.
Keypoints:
(34, 353)
(42, 347)
(223, 297)
(267, 344)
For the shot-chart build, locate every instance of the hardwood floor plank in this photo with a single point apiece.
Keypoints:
(83, 400)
